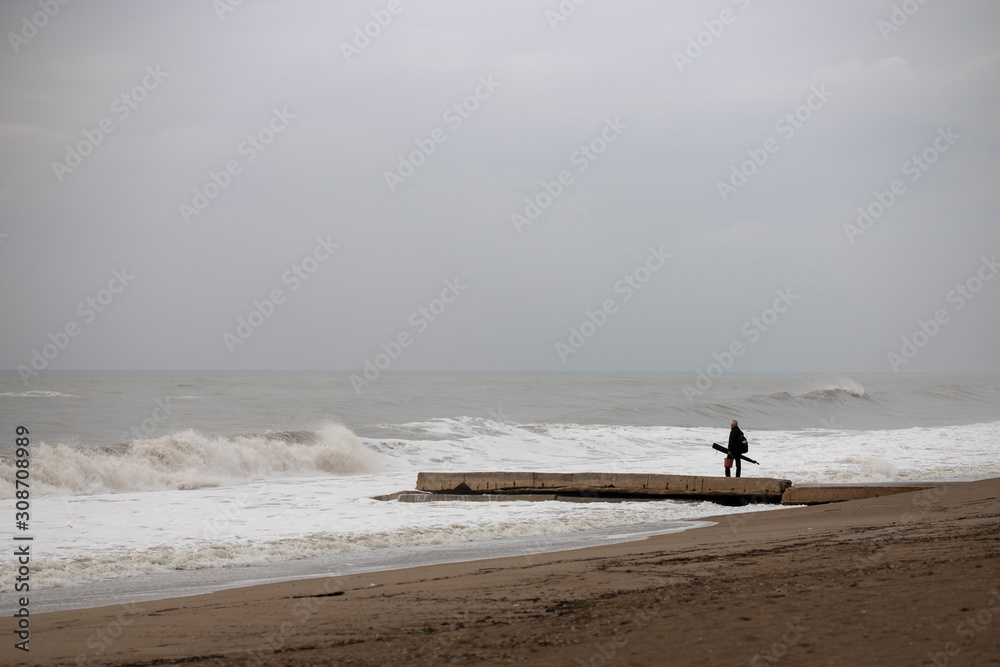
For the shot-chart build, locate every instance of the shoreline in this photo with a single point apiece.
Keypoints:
(163, 586)
(905, 579)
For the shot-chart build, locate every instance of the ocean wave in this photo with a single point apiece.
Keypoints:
(851, 390)
(780, 396)
(191, 460)
(37, 393)
(834, 394)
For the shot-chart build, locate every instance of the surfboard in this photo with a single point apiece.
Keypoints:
(719, 448)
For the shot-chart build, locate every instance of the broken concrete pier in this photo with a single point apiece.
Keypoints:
(616, 487)
(816, 494)
(604, 485)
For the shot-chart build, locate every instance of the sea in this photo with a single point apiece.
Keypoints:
(147, 485)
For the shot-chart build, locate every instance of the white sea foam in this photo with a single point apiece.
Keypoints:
(811, 455)
(191, 460)
(399, 525)
(190, 500)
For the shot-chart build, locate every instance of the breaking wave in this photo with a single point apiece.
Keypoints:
(835, 394)
(191, 460)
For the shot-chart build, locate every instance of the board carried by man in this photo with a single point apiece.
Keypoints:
(721, 448)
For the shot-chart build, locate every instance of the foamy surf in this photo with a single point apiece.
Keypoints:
(195, 506)
(805, 456)
(227, 543)
(191, 460)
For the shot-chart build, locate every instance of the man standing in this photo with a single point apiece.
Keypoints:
(737, 445)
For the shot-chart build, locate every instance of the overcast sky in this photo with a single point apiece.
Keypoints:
(175, 162)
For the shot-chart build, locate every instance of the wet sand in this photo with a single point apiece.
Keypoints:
(910, 579)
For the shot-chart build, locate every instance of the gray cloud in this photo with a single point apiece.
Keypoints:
(657, 184)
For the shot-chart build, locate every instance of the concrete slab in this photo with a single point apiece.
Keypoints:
(606, 487)
(595, 484)
(836, 493)
(472, 497)
(397, 494)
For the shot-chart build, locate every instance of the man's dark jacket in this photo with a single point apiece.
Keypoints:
(736, 438)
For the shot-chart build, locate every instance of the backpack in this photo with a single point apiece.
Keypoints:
(744, 446)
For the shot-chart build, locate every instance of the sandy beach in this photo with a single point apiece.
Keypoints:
(910, 579)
